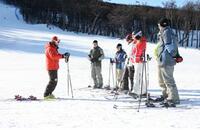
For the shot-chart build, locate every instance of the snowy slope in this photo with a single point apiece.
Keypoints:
(23, 72)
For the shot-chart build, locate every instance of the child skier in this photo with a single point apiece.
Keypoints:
(119, 59)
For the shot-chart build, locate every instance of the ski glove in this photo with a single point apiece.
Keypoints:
(66, 55)
(93, 60)
(111, 60)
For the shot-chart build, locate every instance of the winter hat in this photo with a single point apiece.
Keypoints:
(95, 41)
(129, 38)
(55, 38)
(164, 22)
(119, 45)
(138, 35)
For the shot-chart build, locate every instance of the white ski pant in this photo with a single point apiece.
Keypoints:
(139, 79)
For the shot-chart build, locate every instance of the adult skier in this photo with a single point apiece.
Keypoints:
(128, 74)
(137, 58)
(96, 55)
(52, 64)
(166, 51)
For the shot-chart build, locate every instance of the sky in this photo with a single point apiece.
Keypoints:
(148, 2)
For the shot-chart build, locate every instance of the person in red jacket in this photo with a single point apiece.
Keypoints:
(139, 49)
(52, 64)
(137, 59)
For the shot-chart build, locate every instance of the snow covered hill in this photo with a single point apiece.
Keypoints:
(23, 72)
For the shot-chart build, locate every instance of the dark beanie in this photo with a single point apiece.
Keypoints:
(164, 22)
(95, 41)
(119, 45)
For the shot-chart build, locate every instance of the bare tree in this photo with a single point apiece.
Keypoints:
(171, 8)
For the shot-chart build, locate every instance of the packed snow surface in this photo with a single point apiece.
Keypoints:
(23, 72)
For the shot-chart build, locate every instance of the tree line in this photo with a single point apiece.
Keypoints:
(115, 20)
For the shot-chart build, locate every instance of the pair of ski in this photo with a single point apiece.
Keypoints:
(21, 98)
(149, 104)
(131, 99)
(157, 105)
(33, 98)
(146, 103)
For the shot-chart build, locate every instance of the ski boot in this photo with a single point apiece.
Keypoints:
(149, 104)
(134, 95)
(168, 103)
(107, 87)
(159, 99)
(49, 97)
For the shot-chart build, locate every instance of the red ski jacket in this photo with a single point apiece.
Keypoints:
(138, 51)
(52, 57)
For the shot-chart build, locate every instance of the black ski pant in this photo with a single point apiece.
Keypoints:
(128, 75)
(53, 79)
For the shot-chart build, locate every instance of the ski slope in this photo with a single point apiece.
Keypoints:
(23, 72)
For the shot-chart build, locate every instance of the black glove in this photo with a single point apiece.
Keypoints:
(93, 60)
(111, 60)
(148, 57)
(66, 55)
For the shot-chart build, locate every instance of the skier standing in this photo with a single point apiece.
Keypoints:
(137, 58)
(165, 52)
(128, 75)
(119, 59)
(96, 55)
(52, 64)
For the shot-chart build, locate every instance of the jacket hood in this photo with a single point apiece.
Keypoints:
(164, 28)
(50, 45)
(47, 45)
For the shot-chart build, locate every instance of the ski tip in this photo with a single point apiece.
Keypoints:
(21, 98)
(115, 106)
(151, 105)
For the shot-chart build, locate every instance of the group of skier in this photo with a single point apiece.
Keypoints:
(128, 66)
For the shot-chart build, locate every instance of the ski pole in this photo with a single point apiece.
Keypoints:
(112, 74)
(109, 75)
(69, 83)
(116, 80)
(141, 85)
(122, 77)
(148, 102)
(124, 70)
(90, 82)
(147, 77)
